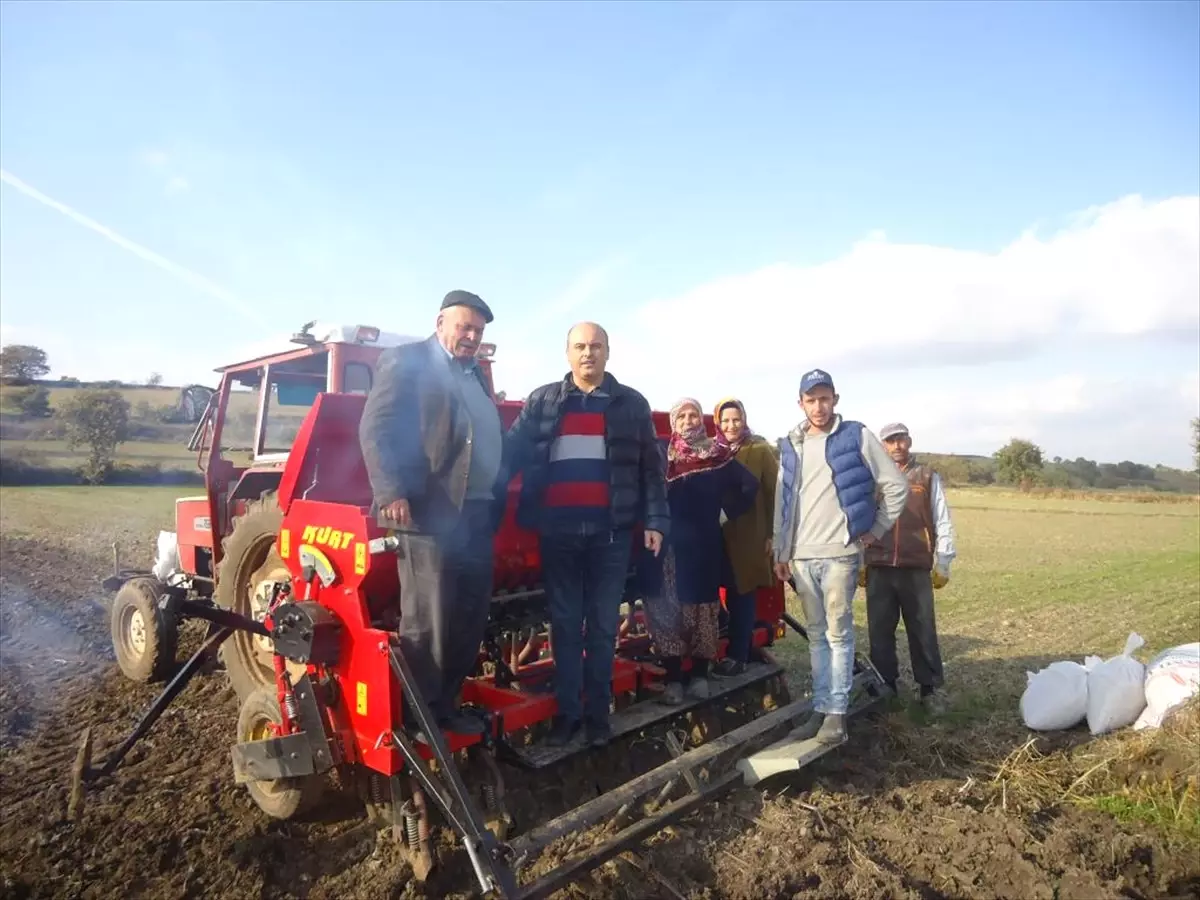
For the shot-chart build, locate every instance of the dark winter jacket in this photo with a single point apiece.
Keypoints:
(637, 468)
(415, 435)
(696, 542)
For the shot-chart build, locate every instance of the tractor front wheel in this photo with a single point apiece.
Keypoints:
(144, 636)
(248, 570)
(280, 798)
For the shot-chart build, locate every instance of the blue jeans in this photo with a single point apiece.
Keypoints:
(826, 590)
(585, 578)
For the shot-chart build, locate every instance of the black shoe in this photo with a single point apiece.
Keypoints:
(598, 734)
(562, 732)
(728, 668)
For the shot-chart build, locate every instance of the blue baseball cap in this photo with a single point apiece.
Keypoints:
(815, 378)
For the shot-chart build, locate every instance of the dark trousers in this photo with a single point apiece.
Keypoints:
(445, 595)
(893, 593)
(585, 578)
(737, 618)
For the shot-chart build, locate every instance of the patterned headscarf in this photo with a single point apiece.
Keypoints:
(692, 450)
(742, 439)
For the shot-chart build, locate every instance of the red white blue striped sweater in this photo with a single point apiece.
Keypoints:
(577, 489)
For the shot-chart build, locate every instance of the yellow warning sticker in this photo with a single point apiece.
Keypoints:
(360, 558)
(361, 701)
(285, 543)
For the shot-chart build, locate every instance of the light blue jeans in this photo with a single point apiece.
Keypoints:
(826, 590)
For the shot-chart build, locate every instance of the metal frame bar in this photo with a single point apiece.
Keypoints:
(207, 650)
(633, 834)
(665, 777)
(608, 803)
(491, 870)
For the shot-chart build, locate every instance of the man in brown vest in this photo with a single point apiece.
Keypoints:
(899, 580)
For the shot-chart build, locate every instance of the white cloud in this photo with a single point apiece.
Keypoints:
(165, 166)
(924, 332)
(1129, 268)
(154, 158)
(1108, 419)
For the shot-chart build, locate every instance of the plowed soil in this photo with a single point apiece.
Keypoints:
(173, 824)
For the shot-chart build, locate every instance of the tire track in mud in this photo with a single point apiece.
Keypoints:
(49, 642)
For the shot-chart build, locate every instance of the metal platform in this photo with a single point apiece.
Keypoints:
(645, 713)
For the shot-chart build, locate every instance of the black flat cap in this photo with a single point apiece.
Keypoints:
(466, 298)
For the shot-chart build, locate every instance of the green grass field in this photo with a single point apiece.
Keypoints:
(168, 454)
(1062, 579)
(1033, 578)
(56, 454)
(158, 397)
(155, 397)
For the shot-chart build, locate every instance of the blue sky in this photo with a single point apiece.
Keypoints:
(739, 191)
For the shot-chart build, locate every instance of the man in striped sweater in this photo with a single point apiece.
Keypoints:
(592, 472)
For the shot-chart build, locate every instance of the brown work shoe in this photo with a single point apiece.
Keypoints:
(809, 729)
(934, 704)
(728, 668)
(833, 729)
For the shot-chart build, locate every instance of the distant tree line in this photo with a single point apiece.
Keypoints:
(100, 419)
(1021, 463)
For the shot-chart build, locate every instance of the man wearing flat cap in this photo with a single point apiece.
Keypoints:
(433, 447)
(839, 491)
(899, 583)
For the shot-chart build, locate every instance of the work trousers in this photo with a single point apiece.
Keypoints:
(893, 593)
(826, 590)
(445, 593)
(738, 616)
(584, 574)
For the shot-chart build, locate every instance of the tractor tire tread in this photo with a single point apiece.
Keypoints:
(292, 796)
(261, 516)
(162, 632)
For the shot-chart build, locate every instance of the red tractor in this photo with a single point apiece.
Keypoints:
(299, 586)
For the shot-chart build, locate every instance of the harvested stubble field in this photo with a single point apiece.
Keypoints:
(971, 805)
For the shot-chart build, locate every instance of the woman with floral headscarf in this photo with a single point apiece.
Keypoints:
(748, 536)
(683, 592)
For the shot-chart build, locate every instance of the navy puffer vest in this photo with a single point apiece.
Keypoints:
(852, 480)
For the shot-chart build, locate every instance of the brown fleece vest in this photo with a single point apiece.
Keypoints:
(910, 542)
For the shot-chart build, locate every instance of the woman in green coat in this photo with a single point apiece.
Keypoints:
(748, 537)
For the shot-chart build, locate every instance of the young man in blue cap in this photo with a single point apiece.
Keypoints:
(839, 492)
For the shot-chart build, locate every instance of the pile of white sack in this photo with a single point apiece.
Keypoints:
(1111, 693)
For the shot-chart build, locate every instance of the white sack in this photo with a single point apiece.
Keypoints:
(1116, 693)
(1055, 697)
(167, 560)
(1172, 678)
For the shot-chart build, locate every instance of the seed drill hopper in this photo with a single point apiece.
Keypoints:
(298, 585)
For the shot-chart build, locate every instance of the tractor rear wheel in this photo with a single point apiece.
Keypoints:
(280, 798)
(247, 572)
(144, 637)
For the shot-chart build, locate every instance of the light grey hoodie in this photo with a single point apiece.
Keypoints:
(823, 532)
